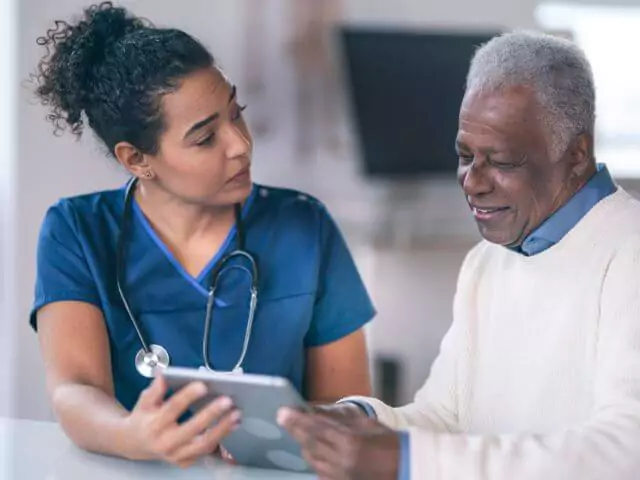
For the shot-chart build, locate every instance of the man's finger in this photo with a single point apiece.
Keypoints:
(325, 468)
(323, 452)
(331, 422)
(299, 425)
(309, 429)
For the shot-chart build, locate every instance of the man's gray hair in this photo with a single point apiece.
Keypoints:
(556, 70)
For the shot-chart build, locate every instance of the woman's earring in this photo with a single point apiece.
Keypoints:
(148, 174)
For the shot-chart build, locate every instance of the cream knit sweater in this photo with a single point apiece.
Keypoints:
(539, 374)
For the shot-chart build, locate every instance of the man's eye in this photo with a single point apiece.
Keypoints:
(510, 163)
(504, 165)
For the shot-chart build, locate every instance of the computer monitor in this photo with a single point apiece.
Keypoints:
(406, 89)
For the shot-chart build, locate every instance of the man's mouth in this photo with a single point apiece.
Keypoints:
(487, 213)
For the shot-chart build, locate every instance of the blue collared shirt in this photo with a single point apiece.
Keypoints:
(550, 232)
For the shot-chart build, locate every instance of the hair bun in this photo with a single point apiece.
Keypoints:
(87, 41)
(104, 25)
(75, 53)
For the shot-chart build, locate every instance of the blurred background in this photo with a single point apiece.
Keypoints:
(353, 101)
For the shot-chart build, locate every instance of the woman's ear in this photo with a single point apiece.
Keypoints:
(133, 160)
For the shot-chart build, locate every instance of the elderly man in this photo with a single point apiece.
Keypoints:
(539, 374)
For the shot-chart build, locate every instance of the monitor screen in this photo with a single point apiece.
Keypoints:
(406, 89)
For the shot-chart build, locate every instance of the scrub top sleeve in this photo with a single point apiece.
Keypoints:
(62, 270)
(342, 304)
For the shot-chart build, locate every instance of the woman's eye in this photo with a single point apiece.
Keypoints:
(208, 140)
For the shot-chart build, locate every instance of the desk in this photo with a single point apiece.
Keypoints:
(32, 450)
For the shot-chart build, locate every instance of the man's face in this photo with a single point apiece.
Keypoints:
(505, 164)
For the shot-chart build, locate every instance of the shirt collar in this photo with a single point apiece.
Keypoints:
(552, 230)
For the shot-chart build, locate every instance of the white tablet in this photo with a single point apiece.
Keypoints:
(259, 442)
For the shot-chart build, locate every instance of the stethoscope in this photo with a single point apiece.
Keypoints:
(152, 357)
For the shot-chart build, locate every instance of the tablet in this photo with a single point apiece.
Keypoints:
(259, 441)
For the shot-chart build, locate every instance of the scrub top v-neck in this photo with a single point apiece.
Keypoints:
(310, 291)
(157, 248)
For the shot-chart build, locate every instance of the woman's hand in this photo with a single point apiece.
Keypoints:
(226, 456)
(153, 431)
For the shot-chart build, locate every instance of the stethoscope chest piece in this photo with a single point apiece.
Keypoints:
(148, 362)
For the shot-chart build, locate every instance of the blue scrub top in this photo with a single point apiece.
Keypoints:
(310, 292)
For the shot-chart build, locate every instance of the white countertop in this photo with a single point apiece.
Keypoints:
(40, 451)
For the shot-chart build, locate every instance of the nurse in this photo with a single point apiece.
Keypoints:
(167, 113)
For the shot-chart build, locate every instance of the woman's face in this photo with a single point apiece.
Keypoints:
(205, 150)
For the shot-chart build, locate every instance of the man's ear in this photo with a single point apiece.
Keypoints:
(132, 159)
(581, 156)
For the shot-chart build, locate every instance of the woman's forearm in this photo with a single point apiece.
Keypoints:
(93, 420)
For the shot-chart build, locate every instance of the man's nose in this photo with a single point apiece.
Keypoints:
(474, 179)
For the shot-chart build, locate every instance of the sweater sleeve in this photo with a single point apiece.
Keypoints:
(435, 406)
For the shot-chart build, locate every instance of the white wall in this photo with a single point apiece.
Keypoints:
(7, 154)
(412, 288)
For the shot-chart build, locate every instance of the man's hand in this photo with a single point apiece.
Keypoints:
(344, 448)
(340, 411)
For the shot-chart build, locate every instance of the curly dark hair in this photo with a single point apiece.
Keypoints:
(114, 68)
